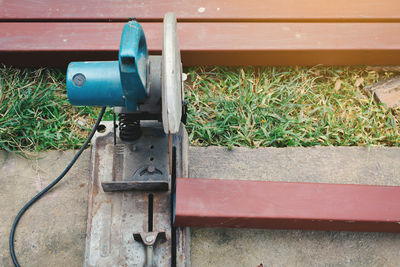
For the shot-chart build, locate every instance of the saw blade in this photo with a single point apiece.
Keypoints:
(172, 84)
(171, 77)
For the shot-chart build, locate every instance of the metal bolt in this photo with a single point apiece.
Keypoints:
(149, 238)
(184, 77)
(151, 169)
(79, 79)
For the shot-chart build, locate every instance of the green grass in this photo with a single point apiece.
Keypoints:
(281, 107)
(35, 114)
(252, 107)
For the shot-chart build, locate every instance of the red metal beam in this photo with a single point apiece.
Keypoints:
(287, 205)
(202, 10)
(41, 44)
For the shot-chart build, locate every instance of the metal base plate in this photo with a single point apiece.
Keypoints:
(113, 217)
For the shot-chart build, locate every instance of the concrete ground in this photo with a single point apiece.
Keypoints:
(52, 232)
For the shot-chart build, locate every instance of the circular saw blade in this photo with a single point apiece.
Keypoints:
(171, 77)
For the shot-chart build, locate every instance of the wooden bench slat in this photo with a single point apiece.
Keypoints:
(209, 43)
(202, 10)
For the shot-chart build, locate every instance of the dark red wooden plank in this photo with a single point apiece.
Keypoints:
(202, 10)
(209, 43)
(284, 205)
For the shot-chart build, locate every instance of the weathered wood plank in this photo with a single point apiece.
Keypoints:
(30, 44)
(202, 10)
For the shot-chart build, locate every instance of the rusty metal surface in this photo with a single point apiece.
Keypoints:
(141, 164)
(114, 217)
(182, 240)
(287, 205)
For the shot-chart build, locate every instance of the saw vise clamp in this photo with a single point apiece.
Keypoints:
(134, 162)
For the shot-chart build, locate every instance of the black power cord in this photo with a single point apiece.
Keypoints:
(41, 193)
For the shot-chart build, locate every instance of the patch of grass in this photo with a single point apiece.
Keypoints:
(252, 107)
(35, 114)
(281, 107)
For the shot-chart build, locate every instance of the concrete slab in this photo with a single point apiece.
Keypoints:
(238, 247)
(52, 233)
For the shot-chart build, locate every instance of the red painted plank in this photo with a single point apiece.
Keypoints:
(287, 205)
(209, 43)
(202, 10)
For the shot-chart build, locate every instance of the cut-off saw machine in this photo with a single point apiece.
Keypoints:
(135, 158)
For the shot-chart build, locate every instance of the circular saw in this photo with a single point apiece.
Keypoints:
(139, 87)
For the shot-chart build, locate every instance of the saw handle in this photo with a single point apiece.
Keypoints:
(133, 62)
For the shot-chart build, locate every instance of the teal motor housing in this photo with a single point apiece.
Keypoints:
(121, 83)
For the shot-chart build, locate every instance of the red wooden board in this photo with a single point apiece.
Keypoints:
(284, 205)
(202, 10)
(32, 44)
